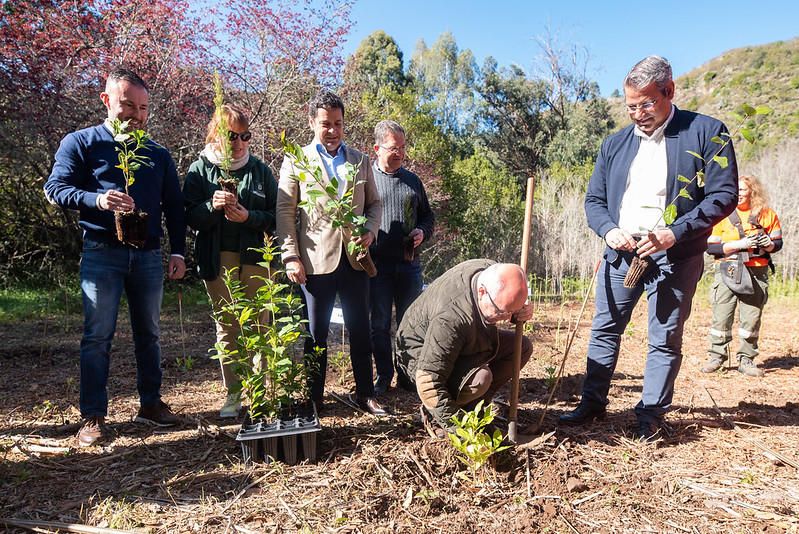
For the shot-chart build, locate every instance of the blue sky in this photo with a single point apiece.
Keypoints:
(616, 34)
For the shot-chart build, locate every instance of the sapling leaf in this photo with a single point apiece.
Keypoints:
(748, 134)
(683, 179)
(670, 214)
(694, 154)
(700, 178)
(716, 139)
(763, 110)
(748, 110)
(721, 160)
(683, 193)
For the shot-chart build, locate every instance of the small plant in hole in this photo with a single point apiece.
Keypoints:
(551, 376)
(185, 363)
(341, 362)
(474, 445)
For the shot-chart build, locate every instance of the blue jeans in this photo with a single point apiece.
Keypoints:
(396, 284)
(319, 295)
(105, 271)
(669, 287)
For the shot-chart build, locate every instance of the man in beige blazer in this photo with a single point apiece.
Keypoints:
(315, 254)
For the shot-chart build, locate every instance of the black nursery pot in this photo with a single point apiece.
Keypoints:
(277, 440)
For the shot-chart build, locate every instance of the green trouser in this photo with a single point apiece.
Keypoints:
(750, 310)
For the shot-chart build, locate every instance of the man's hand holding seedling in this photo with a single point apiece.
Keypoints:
(655, 241)
(114, 200)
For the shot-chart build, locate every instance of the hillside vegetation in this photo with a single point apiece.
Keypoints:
(766, 74)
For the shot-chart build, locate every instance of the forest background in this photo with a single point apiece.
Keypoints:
(475, 132)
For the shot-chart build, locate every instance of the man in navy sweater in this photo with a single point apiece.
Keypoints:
(638, 169)
(85, 178)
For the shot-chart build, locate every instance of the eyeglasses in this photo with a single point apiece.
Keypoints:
(244, 136)
(643, 106)
(497, 309)
(394, 149)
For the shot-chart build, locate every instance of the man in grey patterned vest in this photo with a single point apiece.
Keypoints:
(407, 221)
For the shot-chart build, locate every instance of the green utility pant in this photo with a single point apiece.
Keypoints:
(750, 310)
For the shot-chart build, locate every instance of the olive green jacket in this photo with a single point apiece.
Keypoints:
(442, 339)
(257, 192)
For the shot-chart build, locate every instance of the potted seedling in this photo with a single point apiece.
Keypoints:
(225, 181)
(340, 210)
(131, 226)
(272, 378)
(668, 215)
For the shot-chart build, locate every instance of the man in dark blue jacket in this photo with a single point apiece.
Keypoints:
(85, 178)
(635, 178)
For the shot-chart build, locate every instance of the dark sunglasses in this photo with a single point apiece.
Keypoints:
(245, 136)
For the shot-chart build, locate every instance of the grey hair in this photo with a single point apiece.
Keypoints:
(385, 127)
(651, 69)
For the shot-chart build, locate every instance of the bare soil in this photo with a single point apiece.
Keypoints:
(731, 463)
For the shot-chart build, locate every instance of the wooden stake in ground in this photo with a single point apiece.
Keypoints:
(517, 348)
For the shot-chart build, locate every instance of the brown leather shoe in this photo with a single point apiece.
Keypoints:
(369, 404)
(92, 431)
(157, 415)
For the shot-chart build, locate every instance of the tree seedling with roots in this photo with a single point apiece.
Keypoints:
(339, 210)
(746, 115)
(223, 138)
(131, 226)
(474, 445)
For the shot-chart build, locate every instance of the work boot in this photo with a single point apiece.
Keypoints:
(712, 364)
(157, 415)
(231, 407)
(92, 431)
(747, 367)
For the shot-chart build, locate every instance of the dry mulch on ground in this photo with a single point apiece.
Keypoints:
(728, 467)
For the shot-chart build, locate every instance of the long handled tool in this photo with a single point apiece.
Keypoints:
(517, 348)
(569, 341)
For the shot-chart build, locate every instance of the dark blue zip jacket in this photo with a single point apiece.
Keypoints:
(85, 167)
(695, 216)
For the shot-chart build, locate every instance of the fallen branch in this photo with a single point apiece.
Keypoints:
(56, 525)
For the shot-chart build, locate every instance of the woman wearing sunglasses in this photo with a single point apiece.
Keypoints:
(227, 224)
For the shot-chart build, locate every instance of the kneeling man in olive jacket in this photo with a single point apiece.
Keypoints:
(449, 349)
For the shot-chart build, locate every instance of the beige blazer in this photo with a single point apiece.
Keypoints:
(311, 236)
